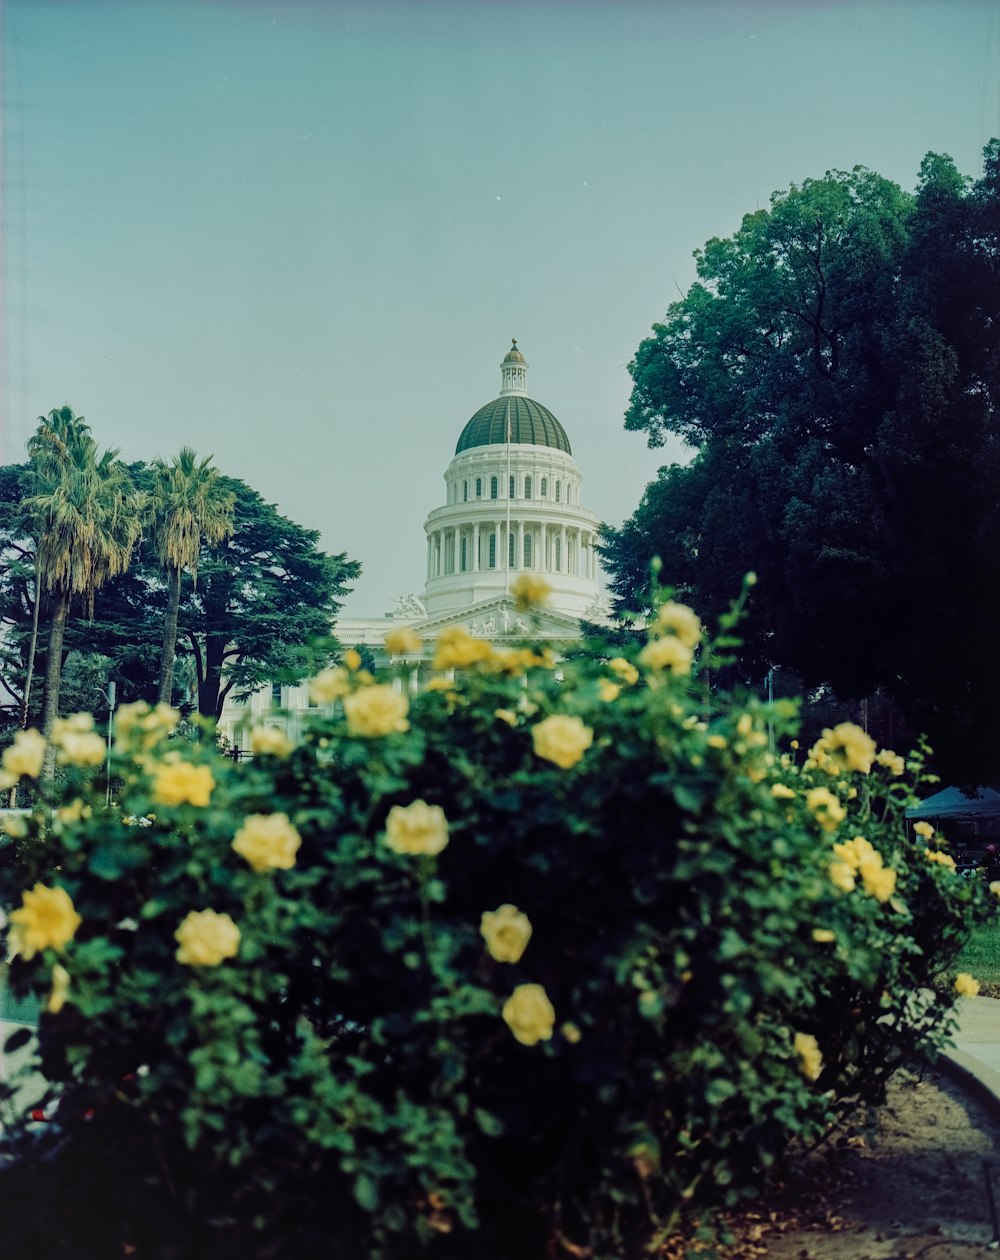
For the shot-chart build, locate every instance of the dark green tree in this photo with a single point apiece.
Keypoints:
(835, 367)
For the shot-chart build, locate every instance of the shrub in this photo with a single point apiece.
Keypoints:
(533, 961)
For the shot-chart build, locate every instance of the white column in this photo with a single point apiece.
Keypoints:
(474, 566)
(519, 545)
(455, 556)
(543, 559)
(563, 558)
(430, 553)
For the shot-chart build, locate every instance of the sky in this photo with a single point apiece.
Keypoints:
(299, 237)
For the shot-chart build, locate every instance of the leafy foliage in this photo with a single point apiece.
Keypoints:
(669, 989)
(835, 367)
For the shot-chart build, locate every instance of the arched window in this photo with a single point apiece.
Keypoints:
(479, 487)
(465, 554)
(527, 487)
(511, 558)
(545, 487)
(493, 551)
(527, 551)
(494, 488)
(558, 488)
(465, 491)
(510, 488)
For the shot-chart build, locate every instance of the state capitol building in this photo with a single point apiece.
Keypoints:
(512, 504)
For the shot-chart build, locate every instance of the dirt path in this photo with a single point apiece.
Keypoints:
(918, 1193)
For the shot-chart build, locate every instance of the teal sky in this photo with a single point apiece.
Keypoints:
(299, 237)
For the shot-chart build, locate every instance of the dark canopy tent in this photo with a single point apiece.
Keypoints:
(954, 805)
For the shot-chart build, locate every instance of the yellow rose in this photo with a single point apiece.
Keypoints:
(81, 748)
(810, 1058)
(879, 881)
(529, 1015)
(965, 985)
(45, 920)
(822, 936)
(375, 711)
(206, 939)
(181, 783)
(781, 792)
(530, 592)
(945, 859)
(842, 876)
(403, 642)
(59, 991)
(923, 829)
(892, 761)
(856, 851)
(623, 669)
(608, 690)
(668, 653)
(561, 739)
(828, 810)
(717, 741)
(506, 715)
(506, 931)
(845, 747)
(75, 724)
(457, 649)
(25, 756)
(267, 842)
(678, 620)
(147, 725)
(352, 659)
(417, 828)
(995, 888)
(330, 685)
(270, 741)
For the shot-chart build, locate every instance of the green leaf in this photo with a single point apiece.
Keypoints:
(366, 1192)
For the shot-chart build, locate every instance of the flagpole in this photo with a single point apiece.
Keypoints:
(506, 541)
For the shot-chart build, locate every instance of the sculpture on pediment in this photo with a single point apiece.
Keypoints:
(408, 606)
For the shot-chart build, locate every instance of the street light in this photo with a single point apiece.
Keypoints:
(109, 695)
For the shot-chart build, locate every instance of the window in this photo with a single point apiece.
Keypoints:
(479, 487)
(510, 489)
(276, 695)
(465, 491)
(545, 487)
(511, 558)
(527, 487)
(558, 488)
(527, 551)
(494, 488)
(493, 551)
(465, 554)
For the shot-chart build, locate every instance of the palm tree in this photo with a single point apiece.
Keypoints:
(84, 514)
(188, 505)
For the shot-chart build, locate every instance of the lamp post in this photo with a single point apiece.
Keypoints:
(109, 695)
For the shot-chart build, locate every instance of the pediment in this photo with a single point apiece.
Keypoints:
(498, 619)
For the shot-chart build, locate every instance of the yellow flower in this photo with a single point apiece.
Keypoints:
(46, 919)
(923, 829)
(624, 670)
(781, 792)
(417, 828)
(506, 715)
(529, 592)
(59, 991)
(608, 690)
(823, 936)
(181, 783)
(376, 711)
(965, 985)
(329, 685)
(270, 741)
(352, 660)
(856, 851)
(457, 649)
(842, 876)
(667, 653)
(74, 811)
(75, 724)
(845, 747)
(81, 748)
(206, 939)
(810, 1058)
(879, 881)
(561, 739)
(147, 725)
(892, 761)
(945, 859)
(403, 642)
(571, 1032)
(25, 756)
(506, 931)
(679, 620)
(529, 1015)
(717, 741)
(268, 842)
(828, 810)
(995, 888)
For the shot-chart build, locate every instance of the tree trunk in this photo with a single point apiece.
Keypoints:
(169, 651)
(210, 695)
(53, 673)
(30, 671)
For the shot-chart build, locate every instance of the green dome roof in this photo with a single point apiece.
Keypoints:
(530, 423)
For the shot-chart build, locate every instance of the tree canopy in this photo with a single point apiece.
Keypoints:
(836, 368)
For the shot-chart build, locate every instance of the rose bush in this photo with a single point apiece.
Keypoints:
(526, 965)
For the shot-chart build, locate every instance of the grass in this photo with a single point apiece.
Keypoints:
(981, 959)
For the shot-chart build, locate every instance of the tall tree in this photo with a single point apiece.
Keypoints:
(265, 603)
(836, 367)
(83, 512)
(188, 506)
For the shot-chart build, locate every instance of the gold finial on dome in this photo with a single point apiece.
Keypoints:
(513, 355)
